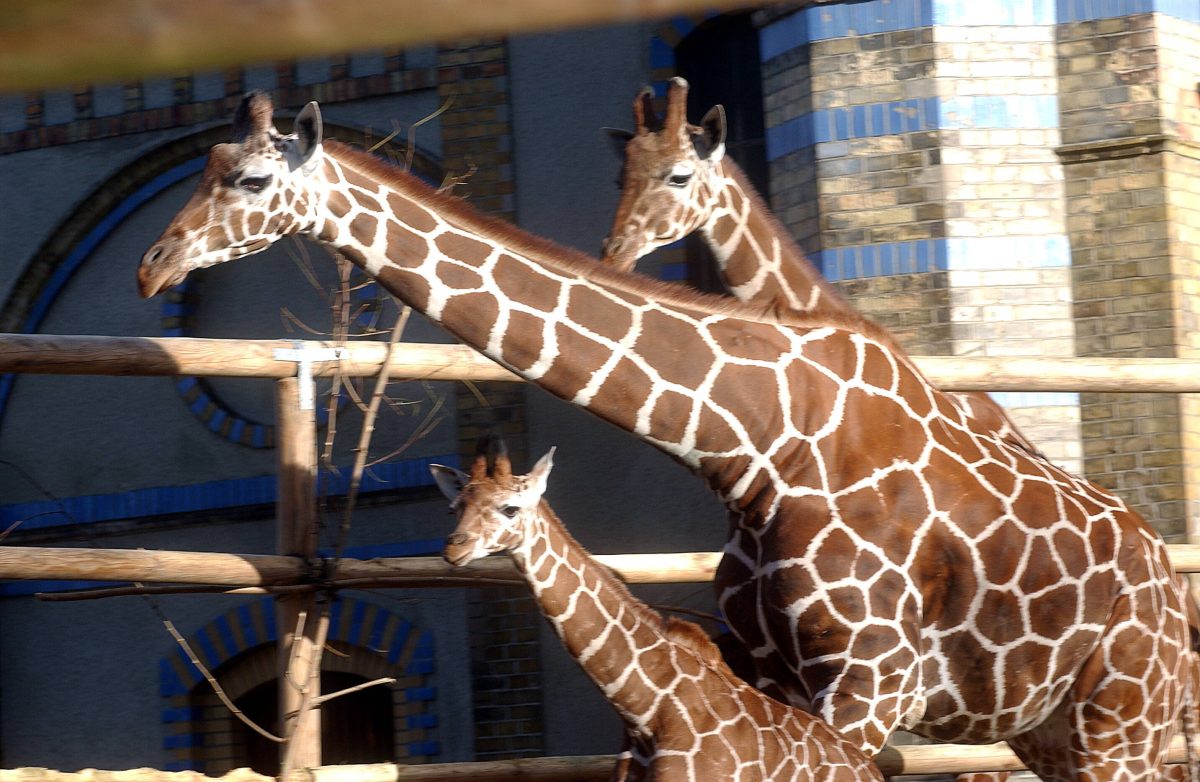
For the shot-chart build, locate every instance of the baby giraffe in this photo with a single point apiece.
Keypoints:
(686, 715)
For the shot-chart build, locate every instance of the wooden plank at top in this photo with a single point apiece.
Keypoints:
(66, 42)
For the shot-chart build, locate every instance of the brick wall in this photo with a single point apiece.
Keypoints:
(1129, 199)
(912, 155)
(477, 142)
(63, 116)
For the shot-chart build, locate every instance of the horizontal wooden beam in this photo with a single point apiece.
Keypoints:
(56, 354)
(53, 354)
(893, 761)
(255, 570)
(69, 42)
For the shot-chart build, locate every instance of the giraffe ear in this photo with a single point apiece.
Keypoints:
(617, 139)
(309, 130)
(449, 480)
(710, 143)
(540, 474)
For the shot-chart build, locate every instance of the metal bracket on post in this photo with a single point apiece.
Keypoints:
(305, 357)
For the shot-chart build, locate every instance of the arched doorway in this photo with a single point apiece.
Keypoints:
(386, 723)
(355, 728)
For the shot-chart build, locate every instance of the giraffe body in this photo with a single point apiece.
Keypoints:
(686, 715)
(892, 563)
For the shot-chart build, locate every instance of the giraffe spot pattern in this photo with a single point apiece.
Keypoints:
(860, 421)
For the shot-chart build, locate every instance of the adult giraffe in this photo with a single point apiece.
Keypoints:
(891, 562)
(676, 180)
(687, 717)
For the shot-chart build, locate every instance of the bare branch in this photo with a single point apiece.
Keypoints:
(212, 681)
(320, 700)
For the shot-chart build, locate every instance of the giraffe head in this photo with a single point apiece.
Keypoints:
(253, 192)
(669, 175)
(495, 509)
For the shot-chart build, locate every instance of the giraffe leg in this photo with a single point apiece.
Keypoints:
(1117, 719)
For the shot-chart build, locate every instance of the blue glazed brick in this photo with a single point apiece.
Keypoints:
(841, 130)
(859, 121)
(424, 748)
(246, 622)
(420, 667)
(397, 644)
(419, 721)
(923, 259)
(930, 110)
(867, 254)
(878, 125)
(822, 126)
(226, 633)
(413, 694)
(886, 264)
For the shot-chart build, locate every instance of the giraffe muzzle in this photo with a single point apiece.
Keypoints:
(460, 549)
(618, 252)
(156, 274)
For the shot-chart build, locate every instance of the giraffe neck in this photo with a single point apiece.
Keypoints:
(611, 634)
(647, 357)
(757, 257)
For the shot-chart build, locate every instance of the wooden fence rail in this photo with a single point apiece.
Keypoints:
(893, 761)
(262, 570)
(91, 355)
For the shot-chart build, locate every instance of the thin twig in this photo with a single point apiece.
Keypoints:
(368, 429)
(212, 681)
(425, 428)
(412, 131)
(341, 332)
(320, 700)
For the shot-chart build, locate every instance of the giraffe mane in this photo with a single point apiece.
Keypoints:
(759, 205)
(678, 631)
(573, 261)
(644, 612)
(692, 636)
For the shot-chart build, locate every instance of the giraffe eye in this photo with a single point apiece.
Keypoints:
(254, 184)
(510, 511)
(679, 179)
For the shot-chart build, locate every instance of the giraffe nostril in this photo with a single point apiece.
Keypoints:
(457, 538)
(153, 254)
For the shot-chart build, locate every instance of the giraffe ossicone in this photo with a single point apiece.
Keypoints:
(686, 715)
(892, 563)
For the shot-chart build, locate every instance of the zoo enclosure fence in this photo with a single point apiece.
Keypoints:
(294, 364)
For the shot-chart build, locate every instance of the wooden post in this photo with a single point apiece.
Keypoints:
(295, 519)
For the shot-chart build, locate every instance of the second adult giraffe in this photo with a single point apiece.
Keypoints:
(677, 180)
(890, 562)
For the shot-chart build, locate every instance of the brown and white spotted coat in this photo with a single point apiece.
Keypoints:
(677, 180)
(891, 564)
(686, 715)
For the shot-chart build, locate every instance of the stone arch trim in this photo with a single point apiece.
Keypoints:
(243, 640)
